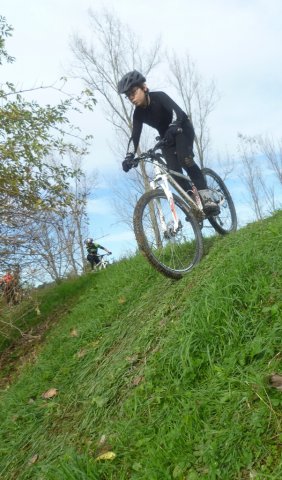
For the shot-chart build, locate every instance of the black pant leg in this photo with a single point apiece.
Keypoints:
(90, 259)
(185, 155)
(173, 163)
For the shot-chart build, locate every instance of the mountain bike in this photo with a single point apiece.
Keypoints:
(103, 263)
(167, 225)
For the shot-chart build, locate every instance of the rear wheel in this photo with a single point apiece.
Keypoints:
(226, 220)
(173, 251)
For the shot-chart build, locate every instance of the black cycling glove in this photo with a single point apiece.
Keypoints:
(127, 163)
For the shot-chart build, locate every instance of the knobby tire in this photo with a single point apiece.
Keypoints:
(178, 254)
(226, 221)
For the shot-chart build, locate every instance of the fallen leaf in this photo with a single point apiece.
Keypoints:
(121, 300)
(275, 381)
(132, 359)
(137, 380)
(99, 401)
(52, 392)
(81, 353)
(106, 456)
(74, 333)
(102, 440)
(33, 459)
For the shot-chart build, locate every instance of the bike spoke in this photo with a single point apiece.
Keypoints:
(226, 220)
(174, 248)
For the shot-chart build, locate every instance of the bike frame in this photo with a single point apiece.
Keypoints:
(102, 263)
(163, 178)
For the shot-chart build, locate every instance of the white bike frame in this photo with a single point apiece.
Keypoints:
(162, 179)
(102, 263)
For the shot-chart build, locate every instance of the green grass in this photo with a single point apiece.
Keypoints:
(168, 375)
(43, 304)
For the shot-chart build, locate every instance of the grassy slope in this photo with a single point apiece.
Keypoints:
(24, 316)
(170, 376)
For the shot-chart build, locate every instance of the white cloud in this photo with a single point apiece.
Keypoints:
(124, 236)
(99, 206)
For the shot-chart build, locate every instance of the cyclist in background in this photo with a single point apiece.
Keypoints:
(159, 111)
(7, 283)
(7, 278)
(92, 252)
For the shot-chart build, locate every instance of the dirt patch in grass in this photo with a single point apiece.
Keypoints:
(25, 349)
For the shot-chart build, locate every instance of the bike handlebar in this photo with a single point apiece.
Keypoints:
(161, 142)
(150, 153)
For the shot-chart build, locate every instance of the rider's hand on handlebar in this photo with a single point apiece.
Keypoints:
(128, 162)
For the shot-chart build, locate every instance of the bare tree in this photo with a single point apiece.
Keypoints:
(58, 236)
(199, 99)
(273, 154)
(82, 188)
(261, 192)
(114, 50)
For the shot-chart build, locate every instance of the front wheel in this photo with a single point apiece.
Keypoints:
(226, 220)
(168, 235)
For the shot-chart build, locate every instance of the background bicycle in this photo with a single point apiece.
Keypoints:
(103, 263)
(167, 225)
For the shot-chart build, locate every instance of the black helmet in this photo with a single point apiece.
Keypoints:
(129, 80)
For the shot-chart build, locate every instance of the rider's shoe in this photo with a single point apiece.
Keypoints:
(211, 208)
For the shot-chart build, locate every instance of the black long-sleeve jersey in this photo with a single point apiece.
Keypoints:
(92, 248)
(160, 113)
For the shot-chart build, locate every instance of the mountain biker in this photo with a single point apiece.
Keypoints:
(92, 252)
(159, 111)
(7, 283)
(7, 278)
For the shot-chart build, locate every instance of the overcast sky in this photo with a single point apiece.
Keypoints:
(236, 43)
